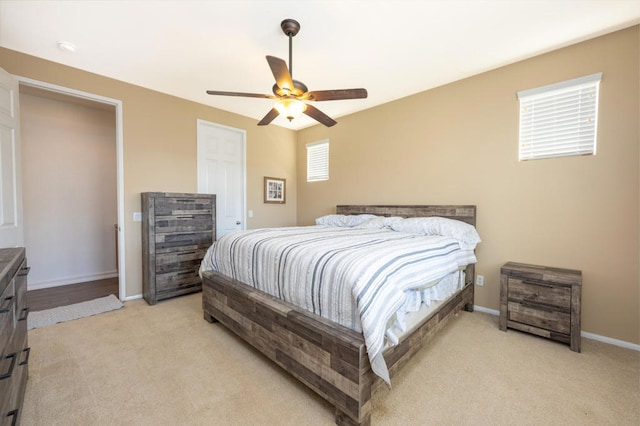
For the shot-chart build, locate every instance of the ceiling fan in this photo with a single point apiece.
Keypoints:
(291, 95)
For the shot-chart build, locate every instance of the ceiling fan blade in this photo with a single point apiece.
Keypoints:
(335, 95)
(280, 72)
(246, 95)
(271, 115)
(320, 116)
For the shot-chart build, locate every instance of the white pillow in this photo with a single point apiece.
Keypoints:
(466, 234)
(379, 222)
(344, 220)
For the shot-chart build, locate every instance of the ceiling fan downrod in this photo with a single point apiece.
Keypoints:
(290, 27)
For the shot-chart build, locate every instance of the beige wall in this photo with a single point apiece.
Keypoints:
(458, 144)
(160, 148)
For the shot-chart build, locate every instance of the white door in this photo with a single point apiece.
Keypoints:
(11, 229)
(221, 171)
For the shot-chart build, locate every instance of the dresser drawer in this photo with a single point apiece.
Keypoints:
(540, 293)
(179, 260)
(192, 240)
(172, 281)
(184, 223)
(7, 316)
(175, 206)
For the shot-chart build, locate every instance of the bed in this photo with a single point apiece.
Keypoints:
(331, 357)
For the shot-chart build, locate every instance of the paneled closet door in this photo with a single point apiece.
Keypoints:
(221, 171)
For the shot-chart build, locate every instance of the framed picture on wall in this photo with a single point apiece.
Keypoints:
(275, 190)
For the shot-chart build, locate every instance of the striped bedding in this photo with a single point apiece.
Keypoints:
(355, 277)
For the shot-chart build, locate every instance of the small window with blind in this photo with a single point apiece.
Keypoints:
(560, 119)
(318, 161)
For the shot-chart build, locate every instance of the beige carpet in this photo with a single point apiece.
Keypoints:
(165, 365)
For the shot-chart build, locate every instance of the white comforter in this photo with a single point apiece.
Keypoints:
(354, 277)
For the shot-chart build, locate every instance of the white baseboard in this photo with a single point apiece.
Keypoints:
(486, 310)
(134, 297)
(71, 280)
(584, 334)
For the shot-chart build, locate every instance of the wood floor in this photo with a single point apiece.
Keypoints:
(53, 297)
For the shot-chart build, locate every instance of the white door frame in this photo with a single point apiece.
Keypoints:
(201, 152)
(122, 290)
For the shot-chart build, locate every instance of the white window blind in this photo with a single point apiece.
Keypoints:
(559, 119)
(317, 161)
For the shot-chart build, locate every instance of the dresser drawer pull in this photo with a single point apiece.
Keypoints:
(26, 314)
(6, 305)
(184, 253)
(24, 271)
(13, 364)
(26, 359)
(186, 273)
(14, 414)
(185, 200)
(184, 217)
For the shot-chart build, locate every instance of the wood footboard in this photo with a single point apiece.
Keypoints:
(328, 358)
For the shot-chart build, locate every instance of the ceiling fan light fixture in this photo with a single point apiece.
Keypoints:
(290, 108)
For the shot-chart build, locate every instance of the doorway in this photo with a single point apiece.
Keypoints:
(72, 191)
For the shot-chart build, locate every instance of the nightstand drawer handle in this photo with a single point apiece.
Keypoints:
(540, 283)
(13, 364)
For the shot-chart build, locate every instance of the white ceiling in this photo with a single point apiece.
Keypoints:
(391, 48)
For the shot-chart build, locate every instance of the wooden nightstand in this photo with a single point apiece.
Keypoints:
(541, 300)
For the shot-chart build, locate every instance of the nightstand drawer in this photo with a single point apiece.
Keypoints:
(539, 293)
(540, 316)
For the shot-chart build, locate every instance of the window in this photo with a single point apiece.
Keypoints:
(318, 161)
(559, 119)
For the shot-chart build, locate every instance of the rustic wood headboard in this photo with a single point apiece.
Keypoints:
(462, 213)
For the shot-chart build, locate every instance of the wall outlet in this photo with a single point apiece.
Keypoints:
(479, 280)
(137, 216)
(250, 213)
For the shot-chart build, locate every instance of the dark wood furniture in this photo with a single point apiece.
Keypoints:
(330, 359)
(177, 230)
(14, 350)
(541, 300)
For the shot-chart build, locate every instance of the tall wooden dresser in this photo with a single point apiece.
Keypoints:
(14, 363)
(177, 230)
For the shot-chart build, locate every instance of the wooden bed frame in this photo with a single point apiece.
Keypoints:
(330, 359)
